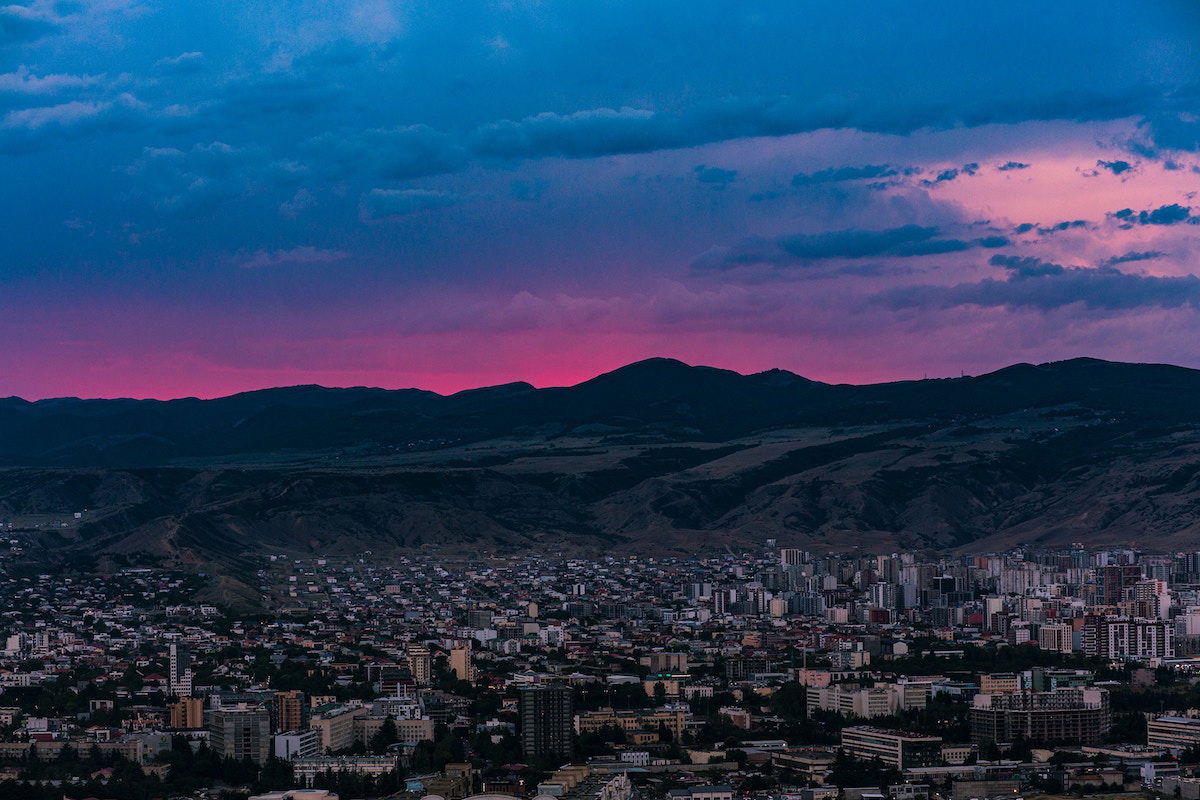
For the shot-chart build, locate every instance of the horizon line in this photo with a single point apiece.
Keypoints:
(963, 375)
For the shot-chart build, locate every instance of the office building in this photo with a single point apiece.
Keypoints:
(1173, 733)
(894, 748)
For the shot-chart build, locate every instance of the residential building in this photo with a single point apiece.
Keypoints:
(240, 732)
(546, 720)
(1066, 716)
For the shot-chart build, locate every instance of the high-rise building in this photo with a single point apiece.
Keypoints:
(791, 557)
(291, 711)
(240, 732)
(187, 712)
(420, 662)
(1113, 580)
(179, 671)
(462, 661)
(1125, 637)
(547, 724)
(1150, 598)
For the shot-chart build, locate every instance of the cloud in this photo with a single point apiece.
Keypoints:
(595, 132)
(23, 24)
(63, 114)
(30, 129)
(719, 178)
(1026, 266)
(304, 254)
(839, 174)
(952, 173)
(1134, 255)
(906, 241)
(383, 203)
(192, 183)
(182, 64)
(301, 201)
(1065, 225)
(1163, 215)
(1011, 165)
(1115, 167)
(23, 81)
(1045, 286)
(414, 151)
(1169, 131)
(582, 134)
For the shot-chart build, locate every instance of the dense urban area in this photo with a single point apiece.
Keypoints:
(778, 674)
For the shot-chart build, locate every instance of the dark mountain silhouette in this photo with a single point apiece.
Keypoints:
(657, 455)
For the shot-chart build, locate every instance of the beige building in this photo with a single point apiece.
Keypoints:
(1057, 637)
(187, 712)
(462, 661)
(407, 730)
(877, 701)
(667, 662)
(336, 727)
(674, 719)
(420, 662)
(999, 683)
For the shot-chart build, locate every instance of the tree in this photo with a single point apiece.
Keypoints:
(385, 737)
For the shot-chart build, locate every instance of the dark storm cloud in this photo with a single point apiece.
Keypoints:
(1045, 286)
(1134, 255)
(951, 174)
(906, 241)
(1065, 225)
(1115, 167)
(1172, 214)
(839, 174)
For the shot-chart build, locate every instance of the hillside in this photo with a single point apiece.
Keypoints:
(657, 456)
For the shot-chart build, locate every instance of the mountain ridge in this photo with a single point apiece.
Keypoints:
(680, 400)
(655, 457)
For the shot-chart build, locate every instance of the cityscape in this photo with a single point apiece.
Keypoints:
(779, 673)
(599, 400)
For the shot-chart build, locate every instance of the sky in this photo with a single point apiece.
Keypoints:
(199, 198)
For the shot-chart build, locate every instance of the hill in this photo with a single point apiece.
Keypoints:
(656, 456)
